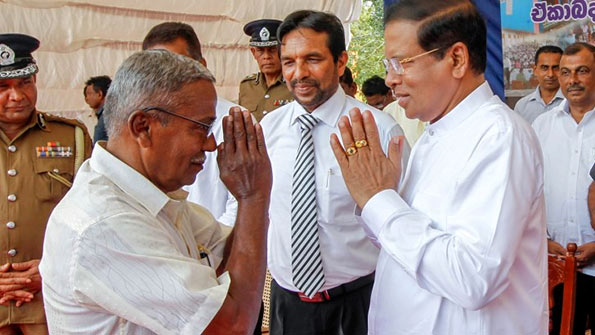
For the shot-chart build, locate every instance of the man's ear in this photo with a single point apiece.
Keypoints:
(459, 57)
(342, 63)
(140, 126)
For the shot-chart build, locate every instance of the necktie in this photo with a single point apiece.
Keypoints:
(306, 261)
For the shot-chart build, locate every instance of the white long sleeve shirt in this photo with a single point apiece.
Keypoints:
(568, 154)
(122, 257)
(463, 244)
(347, 253)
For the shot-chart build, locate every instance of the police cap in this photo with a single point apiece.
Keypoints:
(263, 33)
(16, 60)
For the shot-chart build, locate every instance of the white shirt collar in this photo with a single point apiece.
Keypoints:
(128, 180)
(329, 112)
(564, 110)
(463, 110)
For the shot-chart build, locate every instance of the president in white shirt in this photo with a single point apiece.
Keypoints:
(463, 241)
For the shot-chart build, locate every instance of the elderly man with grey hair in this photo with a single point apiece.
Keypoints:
(124, 251)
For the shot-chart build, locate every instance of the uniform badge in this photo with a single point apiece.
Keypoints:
(6, 55)
(265, 34)
(53, 150)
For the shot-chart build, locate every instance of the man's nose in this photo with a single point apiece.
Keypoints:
(210, 143)
(16, 94)
(301, 70)
(393, 79)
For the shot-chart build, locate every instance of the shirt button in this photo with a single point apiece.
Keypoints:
(12, 148)
(266, 96)
(56, 171)
(12, 198)
(10, 224)
(12, 252)
(431, 132)
(12, 172)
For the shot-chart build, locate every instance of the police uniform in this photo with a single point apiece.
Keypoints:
(38, 166)
(255, 96)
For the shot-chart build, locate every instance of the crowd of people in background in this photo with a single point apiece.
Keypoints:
(427, 209)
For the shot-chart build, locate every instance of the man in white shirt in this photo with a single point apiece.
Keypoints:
(124, 252)
(207, 190)
(567, 137)
(463, 245)
(547, 95)
(320, 259)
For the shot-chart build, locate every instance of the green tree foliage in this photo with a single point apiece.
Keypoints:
(366, 49)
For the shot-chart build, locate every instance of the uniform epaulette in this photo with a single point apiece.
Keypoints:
(47, 117)
(250, 77)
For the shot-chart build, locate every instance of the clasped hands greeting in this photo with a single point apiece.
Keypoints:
(366, 169)
(19, 282)
(244, 164)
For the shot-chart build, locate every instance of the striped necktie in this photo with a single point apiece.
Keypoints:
(306, 261)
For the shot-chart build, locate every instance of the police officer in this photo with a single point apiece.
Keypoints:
(39, 155)
(264, 91)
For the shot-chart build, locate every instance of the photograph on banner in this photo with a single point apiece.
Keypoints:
(528, 25)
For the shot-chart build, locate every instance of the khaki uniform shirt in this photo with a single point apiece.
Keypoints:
(30, 187)
(259, 99)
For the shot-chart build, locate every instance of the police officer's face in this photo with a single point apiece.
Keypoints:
(18, 97)
(308, 66)
(177, 151)
(267, 59)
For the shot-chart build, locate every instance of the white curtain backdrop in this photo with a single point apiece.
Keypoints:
(80, 39)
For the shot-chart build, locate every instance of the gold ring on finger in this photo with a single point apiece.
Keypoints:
(361, 143)
(351, 151)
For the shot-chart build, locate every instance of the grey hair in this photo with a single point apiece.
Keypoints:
(149, 78)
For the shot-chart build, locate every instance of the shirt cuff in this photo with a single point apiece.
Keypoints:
(380, 208)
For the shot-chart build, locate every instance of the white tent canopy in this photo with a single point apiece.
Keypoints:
(80, 39)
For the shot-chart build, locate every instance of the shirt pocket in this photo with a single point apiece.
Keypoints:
(53, 178)
(336, 199)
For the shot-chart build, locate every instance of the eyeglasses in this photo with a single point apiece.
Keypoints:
(397, 65)
(205, 126)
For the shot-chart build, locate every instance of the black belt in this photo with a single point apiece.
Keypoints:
(337, 291)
